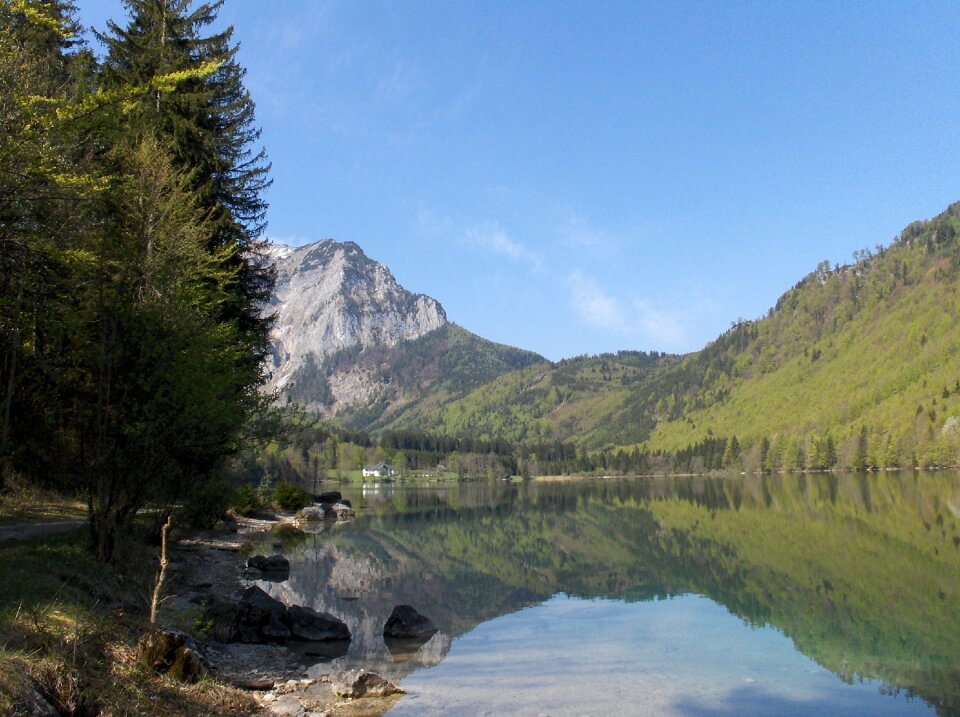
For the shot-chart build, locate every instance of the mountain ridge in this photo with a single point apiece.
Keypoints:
(350, 342)
(855, 365)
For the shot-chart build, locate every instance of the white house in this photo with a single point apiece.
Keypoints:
(380, 470)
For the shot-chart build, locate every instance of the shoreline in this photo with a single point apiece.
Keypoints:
(208, 570)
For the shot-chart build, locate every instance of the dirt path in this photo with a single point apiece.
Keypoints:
(29, 531)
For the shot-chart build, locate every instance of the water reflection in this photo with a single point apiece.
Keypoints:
(861, 572)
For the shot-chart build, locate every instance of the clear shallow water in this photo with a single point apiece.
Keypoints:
(797, 595)
(685, 656)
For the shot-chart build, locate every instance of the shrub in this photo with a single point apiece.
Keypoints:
(245, 500)
(205, 504)
(287, 496)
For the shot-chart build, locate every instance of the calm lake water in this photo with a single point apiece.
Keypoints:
(749, 595)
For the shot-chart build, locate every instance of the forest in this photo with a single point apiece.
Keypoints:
(131, 211)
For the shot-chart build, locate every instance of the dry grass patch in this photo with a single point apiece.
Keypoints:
(23, 503)
(68, 632)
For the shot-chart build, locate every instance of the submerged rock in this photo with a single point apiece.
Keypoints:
(342, 511)
(312, 512)
(337, 510)
(406, 622)
(260, 618)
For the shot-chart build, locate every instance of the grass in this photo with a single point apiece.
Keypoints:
(69, 628)
(22, 503)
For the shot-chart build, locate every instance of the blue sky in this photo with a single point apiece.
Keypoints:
(579, 177)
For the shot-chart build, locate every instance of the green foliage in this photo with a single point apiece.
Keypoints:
(205, 504)
(245, 500)
(289, 497)
(130, 342)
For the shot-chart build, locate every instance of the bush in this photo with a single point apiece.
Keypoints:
(245, 500)
(287, 496)
(205, 504)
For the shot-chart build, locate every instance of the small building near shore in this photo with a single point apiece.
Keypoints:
(380, 470)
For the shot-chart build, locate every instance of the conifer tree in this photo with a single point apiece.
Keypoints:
(210, 125)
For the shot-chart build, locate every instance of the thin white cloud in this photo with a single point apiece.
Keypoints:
(637, 319)
(432, 224)
(594, 305)
(492, 238)
(659, 325)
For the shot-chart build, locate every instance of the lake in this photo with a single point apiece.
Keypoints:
(812, 594)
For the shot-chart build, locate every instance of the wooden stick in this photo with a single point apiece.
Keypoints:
(163, 570)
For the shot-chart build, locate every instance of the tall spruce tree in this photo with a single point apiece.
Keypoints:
(209, 123)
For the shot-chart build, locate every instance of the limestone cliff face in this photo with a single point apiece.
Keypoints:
(331, 299)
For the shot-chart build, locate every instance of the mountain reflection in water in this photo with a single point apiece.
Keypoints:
(860, 572)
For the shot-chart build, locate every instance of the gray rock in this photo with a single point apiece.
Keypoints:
(405, 622)
(275, 568)
(360, 683)
(261, 618)
(33, 700)
(274, 563)
(310, 625)
(329, 297)
(342, 511)
(313, 512)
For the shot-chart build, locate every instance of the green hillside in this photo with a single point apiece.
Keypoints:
(857, 365)
(572, 400)
(437, 368)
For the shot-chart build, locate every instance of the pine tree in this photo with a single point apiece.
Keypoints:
(210, 125)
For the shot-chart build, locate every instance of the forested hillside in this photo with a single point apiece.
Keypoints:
(856, 366)
(571, 400)
(417, 376)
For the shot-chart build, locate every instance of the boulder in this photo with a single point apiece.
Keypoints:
(310, 625)
(360, 683)
(332, 496)
(405, 622)
(342, 511)
(172, 653)
(313, 512)
(261, 618)
(271, 564)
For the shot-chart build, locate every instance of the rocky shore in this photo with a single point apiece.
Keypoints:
(243, 637)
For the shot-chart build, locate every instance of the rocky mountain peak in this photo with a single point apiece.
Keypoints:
(330, 297)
